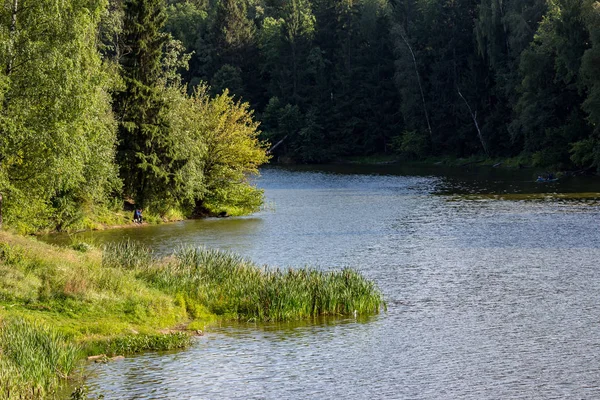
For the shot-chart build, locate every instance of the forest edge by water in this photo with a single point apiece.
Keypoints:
(172, 104)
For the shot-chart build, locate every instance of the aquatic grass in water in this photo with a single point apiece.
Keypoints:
(127, 254)
(131, 344)
(228, 285)
(231, 286)
(98, 298)
(34, 359)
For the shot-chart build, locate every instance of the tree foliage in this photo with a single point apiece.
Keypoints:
(56, 127)
(110, 99)
(91, 111)
(218, 140)
(334, 78)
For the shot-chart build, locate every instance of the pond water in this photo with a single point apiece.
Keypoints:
(492, 283)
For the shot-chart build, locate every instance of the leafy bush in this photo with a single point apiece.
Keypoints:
(412, 144)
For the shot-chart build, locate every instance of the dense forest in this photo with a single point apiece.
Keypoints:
(334, 78)
(163, 101)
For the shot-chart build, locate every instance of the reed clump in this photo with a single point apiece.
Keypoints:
(34, 359)
(132, 344)
(127, 254)
(228, 285)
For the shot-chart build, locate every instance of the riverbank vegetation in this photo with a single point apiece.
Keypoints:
(93, 113)
(58, 305)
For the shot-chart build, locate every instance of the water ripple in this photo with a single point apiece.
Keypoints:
(488, 298)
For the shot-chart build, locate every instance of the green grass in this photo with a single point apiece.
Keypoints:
(34, 360)
(117, 300)
(226, 284)
(131, 344)
(93, 217)
(128, 255)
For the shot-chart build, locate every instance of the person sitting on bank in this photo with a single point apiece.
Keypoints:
(137, 216)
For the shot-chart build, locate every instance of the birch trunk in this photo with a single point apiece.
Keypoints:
(419, 82)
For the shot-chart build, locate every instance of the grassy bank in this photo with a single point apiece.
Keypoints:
(94, 218)
(66, 304)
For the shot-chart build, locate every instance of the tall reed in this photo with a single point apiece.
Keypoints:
(34, 360)
(131, 344)
(127, 254)
(228, 285)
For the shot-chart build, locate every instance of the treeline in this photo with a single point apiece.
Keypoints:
(102, 100)
(93, 111)
(332, 78)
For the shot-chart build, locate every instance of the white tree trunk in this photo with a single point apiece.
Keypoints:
(419, 81)
(13, 31)
(474, 117)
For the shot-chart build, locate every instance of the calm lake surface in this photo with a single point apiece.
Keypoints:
(492, 283)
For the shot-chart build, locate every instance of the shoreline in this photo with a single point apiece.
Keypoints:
(455, 162)
(97, 223)
(122, 301)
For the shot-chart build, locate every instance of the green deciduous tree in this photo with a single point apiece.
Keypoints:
(218, 141)
(56, 127)
(549, 117)
(586, 152)
(354, 76)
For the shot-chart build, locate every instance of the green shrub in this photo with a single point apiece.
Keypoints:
(412, 144)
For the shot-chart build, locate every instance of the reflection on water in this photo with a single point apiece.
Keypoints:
(492, 284)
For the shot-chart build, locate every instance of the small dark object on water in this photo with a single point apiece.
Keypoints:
(222, 214)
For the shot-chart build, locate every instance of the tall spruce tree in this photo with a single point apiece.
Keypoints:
(234, 39)
(146, 153)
